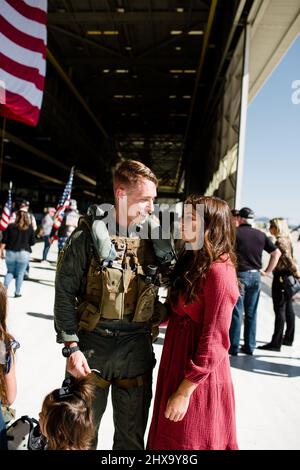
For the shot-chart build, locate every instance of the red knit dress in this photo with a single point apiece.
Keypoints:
(196, 348)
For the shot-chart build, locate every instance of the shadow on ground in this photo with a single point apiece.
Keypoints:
(257, 365)
(40, 315)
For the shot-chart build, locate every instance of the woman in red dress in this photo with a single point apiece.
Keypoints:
(194, 405)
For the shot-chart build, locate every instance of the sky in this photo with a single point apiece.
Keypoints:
(271, 181)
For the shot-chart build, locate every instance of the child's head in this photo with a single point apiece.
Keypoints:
(66, 419)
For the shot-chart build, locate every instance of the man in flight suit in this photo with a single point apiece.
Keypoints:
(105, 304)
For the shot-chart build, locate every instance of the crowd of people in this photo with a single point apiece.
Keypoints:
(107, 310)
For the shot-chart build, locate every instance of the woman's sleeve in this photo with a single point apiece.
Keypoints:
(4, 236)
(13, 346)
(31, 237)
(220, 295)
(287, 259)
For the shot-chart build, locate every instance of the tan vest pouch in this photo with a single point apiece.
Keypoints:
(89, 316)
(145, 304)
(112, 302)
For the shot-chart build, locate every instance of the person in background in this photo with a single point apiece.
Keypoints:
(194, 405)
(17, 241)
(69, 223)
(250, 244)
(8, 384)
(282, 303)
(66, 419)
(47, 223)
(25, 206)
(235, 215)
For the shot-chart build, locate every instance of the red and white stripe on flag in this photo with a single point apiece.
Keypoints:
(23, 40)
(5, 219)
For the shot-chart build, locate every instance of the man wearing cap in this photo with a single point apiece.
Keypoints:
(250, 244)
(69, 223)
(47, 223)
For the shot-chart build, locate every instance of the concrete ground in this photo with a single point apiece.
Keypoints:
(267, 385)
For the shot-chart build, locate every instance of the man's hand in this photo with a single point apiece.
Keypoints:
(177, 407)
(77, 365)
(264, 273)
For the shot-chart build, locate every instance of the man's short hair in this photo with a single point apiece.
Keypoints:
(128, 173)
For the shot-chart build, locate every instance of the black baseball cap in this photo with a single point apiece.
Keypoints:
(246, 213)
(25, 203)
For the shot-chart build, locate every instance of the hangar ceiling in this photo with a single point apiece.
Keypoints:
(125, 79)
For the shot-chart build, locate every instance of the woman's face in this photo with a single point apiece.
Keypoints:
(190, 225)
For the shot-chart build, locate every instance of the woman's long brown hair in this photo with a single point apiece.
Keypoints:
(22, 220)
(219, 240)
(5, 337)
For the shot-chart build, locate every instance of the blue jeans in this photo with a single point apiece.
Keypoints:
(16, 262)
(47, 245)
(61, 243)
(248, 302)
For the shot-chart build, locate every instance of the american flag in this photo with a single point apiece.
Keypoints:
(64, 202)
(23, 39)
(7, 213)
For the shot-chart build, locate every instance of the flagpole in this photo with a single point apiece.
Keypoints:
(2, 150)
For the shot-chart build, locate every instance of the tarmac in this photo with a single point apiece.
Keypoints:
(267, 384)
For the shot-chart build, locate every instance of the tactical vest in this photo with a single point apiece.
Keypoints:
(120, 289)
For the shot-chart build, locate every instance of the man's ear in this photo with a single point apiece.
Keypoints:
(120, 193)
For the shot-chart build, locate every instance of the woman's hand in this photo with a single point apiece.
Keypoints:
(178, 403)
(177, 406)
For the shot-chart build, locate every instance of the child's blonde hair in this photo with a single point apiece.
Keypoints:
(66, 418)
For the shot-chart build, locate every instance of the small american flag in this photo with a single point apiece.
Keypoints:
(64, 202)
(7, 213)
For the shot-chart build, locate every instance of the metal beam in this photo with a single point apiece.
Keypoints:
(204, 47)
(172, 39)
(74, 90)
(85, 40)
(24, 169)
(235, 23)
(106, 19)
(39, 153)
(243, 119)
(126, 62)
(207, 33)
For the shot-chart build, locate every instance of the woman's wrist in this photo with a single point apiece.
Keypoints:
(186, 388)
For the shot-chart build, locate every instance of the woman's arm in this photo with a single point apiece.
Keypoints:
(2, 248)
(31, 236)
(11, 383)
(287, 261)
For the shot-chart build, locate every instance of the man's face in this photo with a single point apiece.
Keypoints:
(136, 201)
(236, 220)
